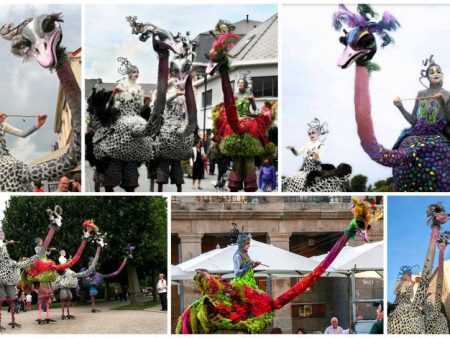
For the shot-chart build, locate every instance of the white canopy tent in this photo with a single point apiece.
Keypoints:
(278, 261)
(366, 261)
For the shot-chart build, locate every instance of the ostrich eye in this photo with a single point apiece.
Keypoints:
(48, 25)
(187, 66)
(22, 44)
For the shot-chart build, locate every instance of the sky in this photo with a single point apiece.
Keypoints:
(408, 234)
(108, 34)
(313, 86)
(29, 89)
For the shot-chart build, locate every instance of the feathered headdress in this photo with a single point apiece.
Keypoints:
(427, 63)
(125, 66)
(406, 270)
(364, 19)
(321, 128)
(238, 236)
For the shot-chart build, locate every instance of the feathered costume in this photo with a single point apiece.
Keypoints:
(239, 306)
(241, 138)
(91, 281)
(421, 157)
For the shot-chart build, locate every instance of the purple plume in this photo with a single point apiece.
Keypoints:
(344, 15)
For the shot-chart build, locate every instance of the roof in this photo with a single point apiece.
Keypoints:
(205, 40)
(260, 43)
(89, 84)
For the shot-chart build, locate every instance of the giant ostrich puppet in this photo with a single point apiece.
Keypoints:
(421, 158)
(39, 38)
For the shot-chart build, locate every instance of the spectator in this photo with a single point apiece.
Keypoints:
(301, 331)
(197, 164)
(267, 176)
(76, 182)
(377, 327)
(334, 328)
(161, 287)
(38, 186)
(276, 330)
(28, 299)
(63, 185)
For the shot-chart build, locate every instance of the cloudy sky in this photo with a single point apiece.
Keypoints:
(408, 234)
(29, 89)
(313, 86)
(108, 35)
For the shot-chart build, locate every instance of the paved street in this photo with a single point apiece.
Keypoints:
(150, 320)
(207, 184)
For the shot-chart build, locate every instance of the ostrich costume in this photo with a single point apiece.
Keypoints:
(421, 157)
(39, 39)
(407, 318)
(131, 137)
(239, 306)
(69, 279)
(244, 138)
(10, 269)
(314, 176)
(44, 271)
(91, 282)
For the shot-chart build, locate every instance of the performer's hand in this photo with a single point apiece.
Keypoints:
(289, 147)
(316, 157)
(438, 96)
(117, 90)
(147, 99)
(256, 263)
(41, 120)
(53, 249)
(2, 117)
(397, 101)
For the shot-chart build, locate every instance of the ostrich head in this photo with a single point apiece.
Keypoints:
(180, 65)
(359, 43)
(37, 38)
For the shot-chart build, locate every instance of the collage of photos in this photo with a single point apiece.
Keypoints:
(155, 180)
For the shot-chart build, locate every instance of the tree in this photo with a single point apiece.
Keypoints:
(384, 185)
(139, 220)
(358, 183)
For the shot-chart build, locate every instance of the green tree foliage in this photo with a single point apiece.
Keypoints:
(138, 220)
(384, 185)
(358, 183)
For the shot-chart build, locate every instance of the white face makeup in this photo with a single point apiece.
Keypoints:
(313, 136)
(435, 75)
(134, 74)
(241, 85)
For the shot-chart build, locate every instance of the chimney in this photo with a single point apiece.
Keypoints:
(247, 18)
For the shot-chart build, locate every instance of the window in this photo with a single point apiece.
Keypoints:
(317, 310)
(265, 86)
(207, 98)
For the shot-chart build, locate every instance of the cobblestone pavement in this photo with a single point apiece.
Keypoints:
(150, 320)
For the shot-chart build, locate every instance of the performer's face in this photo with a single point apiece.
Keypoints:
(134, 74)
(435, 75)
(312, 133)
(247, 245)
(241, 85)
(334, 323)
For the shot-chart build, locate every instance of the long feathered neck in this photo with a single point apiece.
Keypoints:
(75, 258)
(228, 100)
(191, 106)
(363, 116)
(439, 280)
(91, 267)
(119, 270)
(47, 240)
(71, 91)
(310, 279)
(162, 84)
(427, 267)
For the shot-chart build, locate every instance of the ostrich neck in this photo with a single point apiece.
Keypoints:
(363, 116)
(421, 292)
(311, 278)
(439, 280)
(228, 100)
(190, 104)
(124, 262)
(162, 84)
(71, 90)
(47, 240)
(75, 258)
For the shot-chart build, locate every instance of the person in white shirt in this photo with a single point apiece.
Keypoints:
(161, 287)
(334, 328)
